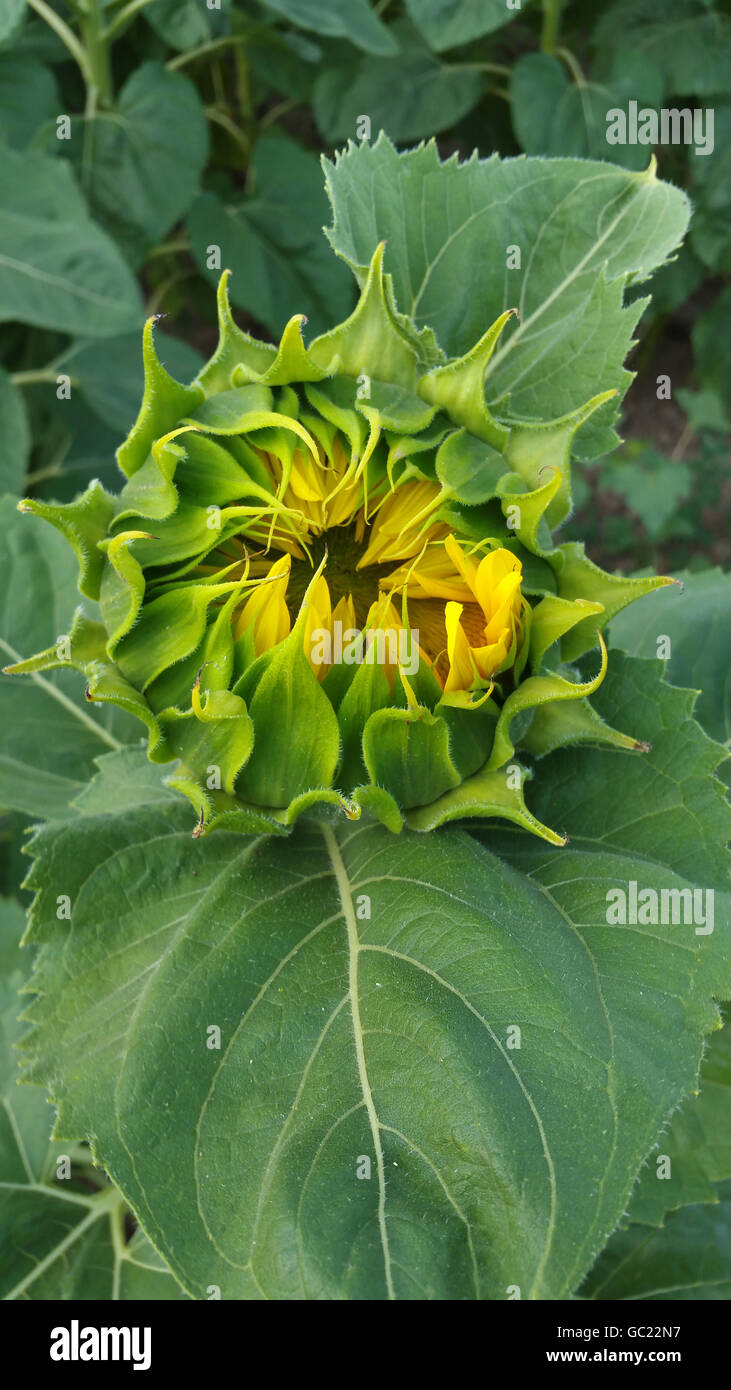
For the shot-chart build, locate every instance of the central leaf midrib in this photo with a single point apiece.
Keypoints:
(346, 900)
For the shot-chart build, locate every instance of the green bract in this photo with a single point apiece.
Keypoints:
(361, 468)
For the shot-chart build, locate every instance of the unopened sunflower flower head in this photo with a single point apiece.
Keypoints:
(329, 583)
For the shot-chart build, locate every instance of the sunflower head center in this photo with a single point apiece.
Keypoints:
(344, 579)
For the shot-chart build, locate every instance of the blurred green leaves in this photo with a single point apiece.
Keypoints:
(410, 95)
(449, 23)
(141, 162)
(696, 619)
(57, 267)
(355, 20)
(271, 239)
(14, 436)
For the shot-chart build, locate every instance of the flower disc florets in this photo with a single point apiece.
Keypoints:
(330, 581)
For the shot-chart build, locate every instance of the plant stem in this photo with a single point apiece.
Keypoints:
(169, 248)
(125, 17)
(280, 109)
(218, 118)
(66, 35)
(498, 68)
(35, 375)
(97, 51)
(158, 296)
(572, 65)
(551, 19)
(181, 59)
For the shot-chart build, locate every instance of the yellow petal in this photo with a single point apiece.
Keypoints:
(498, 572)
(266, 608)
(489, 659)
(318, 619)
(461, 671)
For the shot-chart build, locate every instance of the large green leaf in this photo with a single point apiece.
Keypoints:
(449, 23)
(696, 620)
(141, 163)
(272, 240)
(48, 736)
(697, 1144)
(584, 231)
(59, 1239)
(341, 1013)
(688, 1259)
(410, 95)
(58, 269)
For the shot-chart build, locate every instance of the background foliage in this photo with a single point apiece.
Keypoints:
(190, 127)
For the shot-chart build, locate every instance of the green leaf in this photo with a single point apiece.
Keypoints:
(449, 23)
(697, 1143)
(59, 1241)
(689, 44)
(410, 95)
(14, 436)
(29, 98)
(182, 23)
(25, 1117)
(48, 737)
(272, 240)
(12, 14)
(57, 268)
(695, 619)
(339, 1013)
(652, 485)
(712, 344)
(670, 812)
(711, 191)
(688, 1259)
(340, 19)
(141, 163)
(584, 231)
(555, 116)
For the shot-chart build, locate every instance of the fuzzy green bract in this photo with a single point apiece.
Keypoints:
(226, 467)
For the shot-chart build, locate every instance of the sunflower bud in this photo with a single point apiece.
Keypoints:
(330, 582)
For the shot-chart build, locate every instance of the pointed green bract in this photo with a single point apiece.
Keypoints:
(487, 794)
(459, 387)
(164, 401)
(533, 692)
(84, 523)
(370, 341)
(581, 578)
